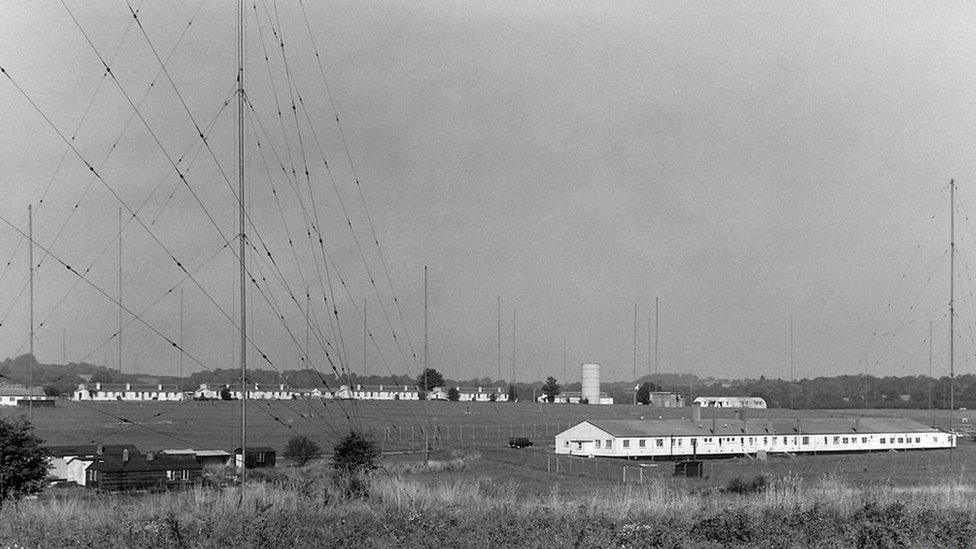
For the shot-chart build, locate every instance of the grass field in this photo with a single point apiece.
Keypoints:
(400, 427)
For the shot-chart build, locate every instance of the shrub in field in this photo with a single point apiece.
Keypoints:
(355, 455)
(23, 464)
(301, 449)
(453, 395)
(739, 486)
(225, 393)
(550, 389)
(512, 393)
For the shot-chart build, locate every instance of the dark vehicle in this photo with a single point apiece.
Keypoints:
(519, 442)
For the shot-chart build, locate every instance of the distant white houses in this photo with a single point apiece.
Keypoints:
(254, 392)
(684, 438)
(127, 392)
(574, 397)
(405, 392)
(19, 395)
(729, 402)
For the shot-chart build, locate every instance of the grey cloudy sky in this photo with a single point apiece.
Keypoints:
(742, 161)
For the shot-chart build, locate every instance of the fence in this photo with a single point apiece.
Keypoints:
(610, 470)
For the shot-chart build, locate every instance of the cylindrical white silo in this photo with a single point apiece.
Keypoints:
(590, 378)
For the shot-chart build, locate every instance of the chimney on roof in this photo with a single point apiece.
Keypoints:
(150, 456)
(125, 454)
(695, 412)
(128, 386)
(281, 387)
(99, 450)
(98, 386)
(159, 387)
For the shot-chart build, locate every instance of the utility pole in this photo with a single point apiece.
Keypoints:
(635, 349)
(181, 339)
(242, 235)
(952, 306)
(498, 339)
(657, 370)
(365, 332)
(308, 320)
(120, 291)
(513, 345)
(791, 363)
(425, 328)
(30, 271)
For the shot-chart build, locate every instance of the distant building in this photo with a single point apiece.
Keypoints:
(730, 402)
(406, 392)
(136, 471)
(256, 457)
(121, 467)
(254, 392)
(127, 392)
(19, 395)
(203, 457)
(574, 397)
(665, 399)
(684, 438)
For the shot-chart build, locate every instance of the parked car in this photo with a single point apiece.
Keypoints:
(519, 442)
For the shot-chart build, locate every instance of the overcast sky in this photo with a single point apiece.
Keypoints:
(743, 162)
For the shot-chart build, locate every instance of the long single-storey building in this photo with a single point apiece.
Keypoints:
(729, 402)
(683, 438)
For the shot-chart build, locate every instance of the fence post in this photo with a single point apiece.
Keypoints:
(623, 475)
(641, 477)
(548, 465)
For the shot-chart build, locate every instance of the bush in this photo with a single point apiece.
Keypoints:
(353, 458)
(301, 450)
(739, 486)
(23, 464)
(453, 395)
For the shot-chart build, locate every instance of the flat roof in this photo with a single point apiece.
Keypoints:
(757, 426)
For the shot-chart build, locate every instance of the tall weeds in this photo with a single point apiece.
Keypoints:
(302, 507)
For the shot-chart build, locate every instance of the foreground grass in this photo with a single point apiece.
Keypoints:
(302, 508)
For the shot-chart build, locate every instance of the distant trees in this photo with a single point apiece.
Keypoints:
(644, 394)
(453, 394)
(23, 465)
(550, 389)
(102, 376)
(430, 378)
(301, 449)
(225, 393)
(512, 393)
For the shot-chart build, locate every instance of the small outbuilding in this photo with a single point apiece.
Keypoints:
(256, 457)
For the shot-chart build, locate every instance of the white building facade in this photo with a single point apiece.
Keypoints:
(682, 438)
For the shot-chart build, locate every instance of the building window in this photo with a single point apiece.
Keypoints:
(806, 440)
(765, 440)
(596, 443)
(642, 443)
(659, 442)
(784, 440)
(626, 443)
(609, 443)
(918, 439)
(845, 440)
(92, 476)
(836, 440)
(679, 442)
(883, 440)
(750, 441)
(260, 457)
(901, 440)
(864, 439)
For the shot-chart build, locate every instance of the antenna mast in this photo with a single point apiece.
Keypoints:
(425, 328)
(657, 370)
(30, 266)
(181, 340)
(498, 339)
(242, 235)
(791, 363)
(120, 291)
(952, 307)
(635, 349)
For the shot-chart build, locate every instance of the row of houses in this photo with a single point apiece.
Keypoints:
(20, 395)
(123, 467)
(692, 438)
(729, 402)
(163, 393)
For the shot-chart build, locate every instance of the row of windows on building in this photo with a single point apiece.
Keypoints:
(174, 474)
(805, 440)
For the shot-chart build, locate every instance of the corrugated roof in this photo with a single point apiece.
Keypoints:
(756, 426)
(139, 462)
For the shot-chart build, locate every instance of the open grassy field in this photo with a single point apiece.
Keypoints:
(401, 427)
